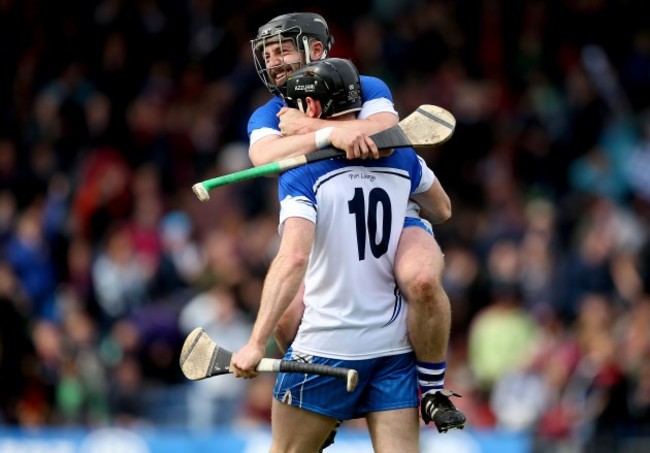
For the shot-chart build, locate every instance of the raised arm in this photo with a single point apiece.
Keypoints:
(293, 122)
(273, 148)
(295, 132)
(355, 143)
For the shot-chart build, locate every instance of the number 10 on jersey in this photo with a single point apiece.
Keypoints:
(367, 227)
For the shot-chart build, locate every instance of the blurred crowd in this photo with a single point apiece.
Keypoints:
(110, 110)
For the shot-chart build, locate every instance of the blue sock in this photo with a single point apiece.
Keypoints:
(431, 376)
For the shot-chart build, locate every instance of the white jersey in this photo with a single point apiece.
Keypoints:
(353, 308)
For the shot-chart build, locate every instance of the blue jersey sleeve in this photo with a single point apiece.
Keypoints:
(297, 182)
(374, 88)
(415, 169)
(266, 116)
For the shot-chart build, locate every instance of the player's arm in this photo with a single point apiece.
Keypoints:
(282, 282)
(266, 142)
(377, 114)
(287, 327)
(435, 205)
(294, 123)
(272, 148)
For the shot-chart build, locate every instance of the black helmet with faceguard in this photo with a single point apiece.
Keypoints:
(298, 28)
(333, 81)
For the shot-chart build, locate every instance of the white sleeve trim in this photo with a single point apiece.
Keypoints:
(298, 206)
(380, 105)
(262, 132)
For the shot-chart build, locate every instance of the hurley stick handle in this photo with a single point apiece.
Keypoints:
(202, 188)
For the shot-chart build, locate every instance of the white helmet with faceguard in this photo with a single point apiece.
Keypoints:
(300, 29)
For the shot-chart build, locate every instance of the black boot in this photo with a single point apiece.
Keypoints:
(437, 408)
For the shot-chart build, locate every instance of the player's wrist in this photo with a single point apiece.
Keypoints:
(322, 137)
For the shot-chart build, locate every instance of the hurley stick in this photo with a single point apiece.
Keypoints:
(427, 126)
(202, 358)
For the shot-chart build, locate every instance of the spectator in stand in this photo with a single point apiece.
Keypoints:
(118, 277)
(216, 401)
(29, 254)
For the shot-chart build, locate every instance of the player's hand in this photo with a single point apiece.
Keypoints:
(294, 122)
(356, 145)
(243, 363)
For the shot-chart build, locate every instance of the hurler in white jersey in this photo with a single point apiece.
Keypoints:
(353, 307)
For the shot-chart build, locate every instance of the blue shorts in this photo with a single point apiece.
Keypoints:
(385, 383)
(418, 222)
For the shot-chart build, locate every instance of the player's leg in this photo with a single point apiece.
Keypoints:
(419, 264)
(389, 403)
(284, 333)
(322, 395)
(397, 430)
(297, 430)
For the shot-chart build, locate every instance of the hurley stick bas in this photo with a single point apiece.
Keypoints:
(427, 126)
(202, 358)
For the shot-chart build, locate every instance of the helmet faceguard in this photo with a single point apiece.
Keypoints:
(333, 81)
(299, 28)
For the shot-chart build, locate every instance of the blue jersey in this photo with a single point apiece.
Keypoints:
(353, 309)
(374, 92)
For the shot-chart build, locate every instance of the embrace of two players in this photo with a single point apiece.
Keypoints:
(356, 282)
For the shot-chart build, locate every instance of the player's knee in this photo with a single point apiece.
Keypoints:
(424, 288)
